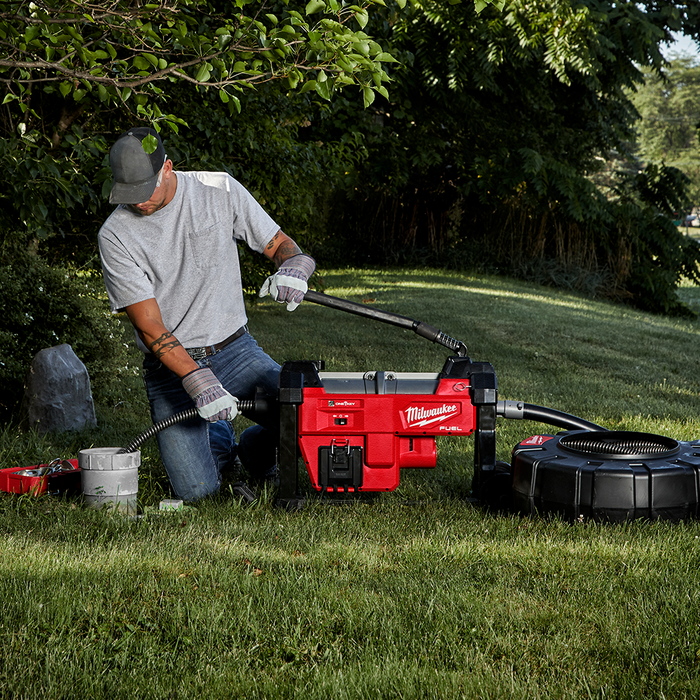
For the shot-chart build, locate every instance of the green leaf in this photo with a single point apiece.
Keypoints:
(150, 143)
(368, 95)
(325, 89)
(30, 34)
(223, 96)
(74, 33)
(224, 40)
(203, 74)
(315, 6)
(9, 98)
(344, 79)
(385, 57)
(64, 88)
(362, 18)
(307, 86)
(141, 63)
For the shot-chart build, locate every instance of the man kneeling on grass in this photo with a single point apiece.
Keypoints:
(170, 260)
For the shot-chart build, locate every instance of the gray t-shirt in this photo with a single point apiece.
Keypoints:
(185, 256)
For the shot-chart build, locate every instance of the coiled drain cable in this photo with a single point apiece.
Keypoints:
(613, 445)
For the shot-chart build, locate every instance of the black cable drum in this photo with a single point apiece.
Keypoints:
(607, 476)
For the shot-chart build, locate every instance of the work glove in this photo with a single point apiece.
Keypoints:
(213, 402)
(288, 284)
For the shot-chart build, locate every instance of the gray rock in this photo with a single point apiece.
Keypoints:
(57, 395)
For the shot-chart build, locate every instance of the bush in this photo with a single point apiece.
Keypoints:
(41, 307)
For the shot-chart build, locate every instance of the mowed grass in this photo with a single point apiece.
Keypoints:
(413, 594)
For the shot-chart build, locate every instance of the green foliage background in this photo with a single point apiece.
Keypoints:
(463, 139)
(490, 151)
(669, 106)
(43, 306)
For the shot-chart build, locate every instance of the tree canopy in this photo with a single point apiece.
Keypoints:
(669, 128)
(126, 52)
(494, 132)
(455, 125)
(76, 72)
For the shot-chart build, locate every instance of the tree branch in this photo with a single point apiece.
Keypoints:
(81, 10)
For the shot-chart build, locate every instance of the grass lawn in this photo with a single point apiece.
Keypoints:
(412, 594)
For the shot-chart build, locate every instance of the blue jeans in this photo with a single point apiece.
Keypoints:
(194, 452)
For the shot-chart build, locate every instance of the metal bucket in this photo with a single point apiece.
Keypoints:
(110, 478)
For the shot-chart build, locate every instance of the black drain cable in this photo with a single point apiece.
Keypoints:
(616, 444)
(173, 420)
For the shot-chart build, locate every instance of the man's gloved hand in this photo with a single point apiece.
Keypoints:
(288, 284)
(213, 402)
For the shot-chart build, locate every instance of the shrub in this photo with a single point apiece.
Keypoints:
(41, 307)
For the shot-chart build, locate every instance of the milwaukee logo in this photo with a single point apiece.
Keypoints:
(537, 440)
(422, 415)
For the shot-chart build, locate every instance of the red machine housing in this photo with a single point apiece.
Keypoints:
(351, 439)
(356, 431)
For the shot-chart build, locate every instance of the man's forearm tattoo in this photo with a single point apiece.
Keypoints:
(286, 249)
(164, 344)
(272, 243)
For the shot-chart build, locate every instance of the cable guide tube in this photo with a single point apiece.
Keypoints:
(519, 410)
(419, 327)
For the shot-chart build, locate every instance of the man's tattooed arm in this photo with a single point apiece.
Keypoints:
(146, 318)
(165, 343)
(280, 248)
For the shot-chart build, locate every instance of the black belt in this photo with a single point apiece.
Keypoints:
(208, 350)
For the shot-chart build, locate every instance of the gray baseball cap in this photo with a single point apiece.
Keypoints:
(135, 172)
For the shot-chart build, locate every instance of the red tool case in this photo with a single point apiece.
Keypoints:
(58, 476)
